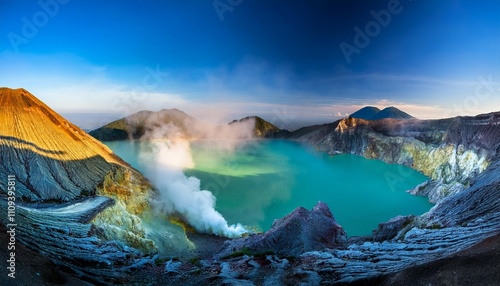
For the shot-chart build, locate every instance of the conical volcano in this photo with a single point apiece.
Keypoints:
(75, 200)
(52, 159)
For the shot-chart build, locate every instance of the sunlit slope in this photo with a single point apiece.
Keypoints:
(51, 158)
(27, 123)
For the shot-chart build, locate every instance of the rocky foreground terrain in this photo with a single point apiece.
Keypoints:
(85, 212)
(75, 201)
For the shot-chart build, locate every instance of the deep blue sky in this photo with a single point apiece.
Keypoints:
(278, 59)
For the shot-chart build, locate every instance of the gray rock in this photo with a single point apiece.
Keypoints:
(298, 232)
(172, 266)
(389, 229)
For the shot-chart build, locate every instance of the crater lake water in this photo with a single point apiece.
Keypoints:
(265, 180)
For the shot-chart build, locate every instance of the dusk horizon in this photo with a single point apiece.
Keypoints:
(308, 63)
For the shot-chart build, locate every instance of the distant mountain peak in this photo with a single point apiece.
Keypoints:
(136, 125)
(366, 112)
(262, 127)
(393, 113)
(373, 113)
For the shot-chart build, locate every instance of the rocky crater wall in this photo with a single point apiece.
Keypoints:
(451, 152)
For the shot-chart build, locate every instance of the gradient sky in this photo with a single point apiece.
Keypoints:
(99, 60)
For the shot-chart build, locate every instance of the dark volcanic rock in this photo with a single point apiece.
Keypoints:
(455, 270)
(298, 232)
(389, 229)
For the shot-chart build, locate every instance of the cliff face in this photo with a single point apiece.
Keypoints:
(450, 151)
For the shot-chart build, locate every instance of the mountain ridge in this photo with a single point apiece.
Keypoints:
(461, 156)
(143, 123)
(262, 127)
(373, 113)
(366, 112)
(136, 125)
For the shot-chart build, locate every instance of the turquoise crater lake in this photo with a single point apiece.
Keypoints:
(267, 179)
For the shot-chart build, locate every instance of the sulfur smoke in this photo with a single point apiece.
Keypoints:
(165, 153)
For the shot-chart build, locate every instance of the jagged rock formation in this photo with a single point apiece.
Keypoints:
(298, 232)
(450, 151)
(65, 234)
(359, 260)
(462, 158)
(389, 229)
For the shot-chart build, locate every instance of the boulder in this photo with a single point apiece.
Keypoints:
(300, 231)
(389, 229)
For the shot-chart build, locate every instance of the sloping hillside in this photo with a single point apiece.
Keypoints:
(366, 112)
(51, 158)
(262, 127)
(373, 113)
(392, 113)
(138, 124)
(173, 123)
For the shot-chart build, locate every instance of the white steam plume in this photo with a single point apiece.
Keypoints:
(164, 161)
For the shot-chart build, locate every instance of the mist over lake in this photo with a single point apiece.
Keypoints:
(259, 181)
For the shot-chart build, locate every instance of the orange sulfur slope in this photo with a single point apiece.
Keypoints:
(23, 117)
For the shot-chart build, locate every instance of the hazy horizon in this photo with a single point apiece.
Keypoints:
(290, 62)
(91, 121)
